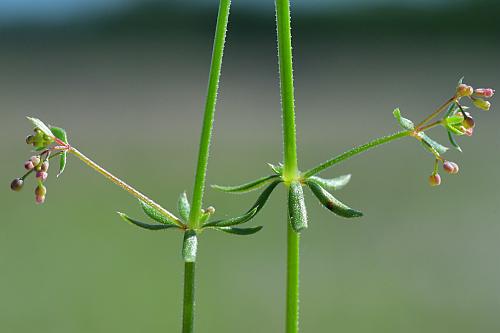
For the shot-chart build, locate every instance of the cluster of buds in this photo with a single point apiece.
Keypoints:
(38, 164)
(39, 140)
(448, 166)
(477, 96)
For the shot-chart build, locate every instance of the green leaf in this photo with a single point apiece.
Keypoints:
(262, 199)
(189, 246)
(331, 203)
(60, 133)
(277, 169)
(405, 123)
(37, 123)
(429, 143)
(453, 141)
(454, 120)
(146, 225)
(239, 231)
(253, 185)
(452, 109)
(333, 183)
(460, 81)
(297, 213)
(184, 207)
(234, 220)
(154, 214)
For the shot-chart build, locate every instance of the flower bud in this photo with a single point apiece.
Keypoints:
(484, 92)
(42, 176)
(40, 192)
(468, 121)
(464, 90)
(30, 139)
(44, 166)
(481, 103)
(35, 160)
(210, 210)
(28, 165)
(17, 184)
(40, 199)
(450, 167)
(435, 179)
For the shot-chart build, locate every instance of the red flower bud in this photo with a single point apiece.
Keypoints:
(17, 184)
(435, 179)
(28, 165)
(42, 176)
(484, 92)
(450, 167)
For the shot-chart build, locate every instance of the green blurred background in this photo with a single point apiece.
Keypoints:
(128, 82)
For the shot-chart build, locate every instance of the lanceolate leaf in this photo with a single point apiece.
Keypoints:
(146, 225)
(61, 135)
(154, 214)
(428, 142)
(239, 231)
(189, 246)
(405, 123)
(278, 169)
(37, 123)
(331, 203)
(262, 199)
(253, 185)
(234, 220)
(453, 141)
(332, 184)
(297, 213)
(184, 207)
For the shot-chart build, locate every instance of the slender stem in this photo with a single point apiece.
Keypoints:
(435, 113)
(355, 151)
(287, 90)
(292, 282)
(125, 186)
(206, 133)
(188, 307)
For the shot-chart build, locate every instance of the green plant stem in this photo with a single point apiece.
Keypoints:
(287, 90)
(355, 151)
(188, 307)
(208, 119)
(292, 282)
(290, 169)
(124, 185)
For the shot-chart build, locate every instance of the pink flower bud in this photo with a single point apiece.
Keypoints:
(42, 176)
(17, 184)
(464, 90)
(35, 160)
(450, 167)
(28, 165)
(484, 92)
(40, 199)
(44, 166)
(435, 179)
(40, 192)
(481, 103)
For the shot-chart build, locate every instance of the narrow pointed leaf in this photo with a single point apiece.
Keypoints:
(405, 123)
(453, 141)
(297, 213)
(60, 133)
(262, 199)
(37, 123)
(146, 225)
(429, 143)
(253, 185)
(278, 169)
(331, 203)
(189, 246)
(184, 207)
(332, 184)
(154, 214)
(234, 220)
(239, 231)
(451, 110)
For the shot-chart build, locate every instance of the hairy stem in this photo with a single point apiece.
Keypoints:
(292, 282)
(208, 119)
(355, 151)
(125, 186)
(290, 169)
(287, 90)
(188, 307)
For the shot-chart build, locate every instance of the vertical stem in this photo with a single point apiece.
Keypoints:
(292, 282)
(188, 308)
(290, 155)
(208, 119)
(286, 84)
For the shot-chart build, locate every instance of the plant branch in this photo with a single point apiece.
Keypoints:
(125, 186)
(188, 307)
(292, 282)
(355, 151)
(206, 134)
